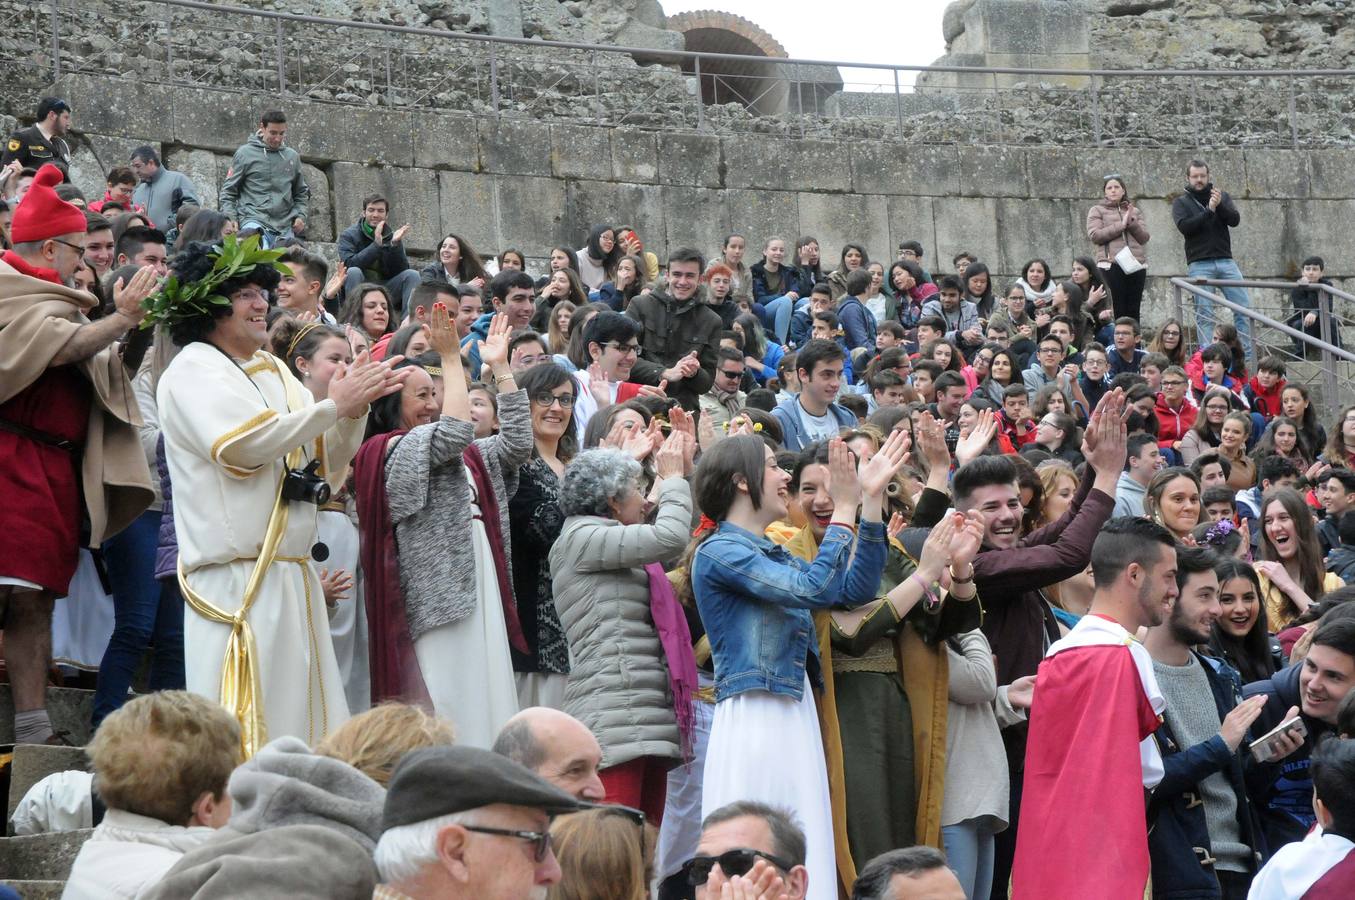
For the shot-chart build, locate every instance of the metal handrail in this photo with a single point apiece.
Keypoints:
(1330, 352)
(652, 53)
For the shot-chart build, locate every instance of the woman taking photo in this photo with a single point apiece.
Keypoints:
(756, 602)
(433, 505)
(1240, 636)
(1291, 570)
(633, 676)
(1173, 500)
(457, 263)
(1112, 225)
(1204, 434)
(535, 518)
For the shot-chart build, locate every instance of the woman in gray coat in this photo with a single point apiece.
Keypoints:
(632, 672)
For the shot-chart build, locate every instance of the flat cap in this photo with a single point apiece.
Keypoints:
(440, 781)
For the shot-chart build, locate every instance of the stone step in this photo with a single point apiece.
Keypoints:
(34, 762)
(69, 708)
(37, 890)
(41, 857)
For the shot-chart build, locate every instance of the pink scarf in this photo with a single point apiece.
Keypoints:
(676, 639)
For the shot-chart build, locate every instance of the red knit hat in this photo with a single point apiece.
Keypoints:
(41, 214)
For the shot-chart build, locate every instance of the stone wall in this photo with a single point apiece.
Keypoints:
(535, 185)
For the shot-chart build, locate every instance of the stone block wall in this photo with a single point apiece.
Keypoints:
(535, 185)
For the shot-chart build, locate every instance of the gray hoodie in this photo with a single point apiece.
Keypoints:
(1129, 496)
(265, 185)
(301, 826)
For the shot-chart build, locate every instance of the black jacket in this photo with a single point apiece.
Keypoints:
(378, 262)
(1205, 229)
(669, 330)
(1178, 836)
(1283, 791)
(32, 150)
(1341, 562)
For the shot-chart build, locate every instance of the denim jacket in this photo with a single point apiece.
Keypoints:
(755, 601)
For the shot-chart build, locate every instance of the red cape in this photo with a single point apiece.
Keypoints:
(1082, 831)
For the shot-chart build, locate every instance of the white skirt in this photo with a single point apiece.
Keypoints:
(348, 625)
(768, 747)
(466, 665)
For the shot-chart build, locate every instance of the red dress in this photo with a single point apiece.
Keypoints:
(40, 500)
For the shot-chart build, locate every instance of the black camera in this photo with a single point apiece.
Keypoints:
(305, 486)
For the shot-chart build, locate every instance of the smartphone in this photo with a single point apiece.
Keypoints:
(1263, 748)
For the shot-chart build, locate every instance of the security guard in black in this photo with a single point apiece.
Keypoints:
(32, 148)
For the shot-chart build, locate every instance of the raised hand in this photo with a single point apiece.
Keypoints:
(972, 445)
(1235, 724)
(127, 299)
(441, 332)
(335, 583)
(400, 234)
(936, 555)
(669, 458)
(494, 348)
(1103, 441)
(875, 475)
(844, 485)
(649, 390)
(355, 386)
(897, 523)
(968, 539)
(599, 386)
(335, 283)
(930, 437)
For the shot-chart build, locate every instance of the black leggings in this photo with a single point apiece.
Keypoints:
(1126, 291)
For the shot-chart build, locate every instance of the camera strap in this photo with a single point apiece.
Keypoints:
(241, 692)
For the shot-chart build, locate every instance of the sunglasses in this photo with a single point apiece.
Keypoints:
(540, 840)
(732, 862)
(732, 376)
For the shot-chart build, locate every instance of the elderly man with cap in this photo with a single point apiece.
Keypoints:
(68, 424)
(465, 822)
(557, 747)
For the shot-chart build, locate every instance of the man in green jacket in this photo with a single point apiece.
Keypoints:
(264, 189)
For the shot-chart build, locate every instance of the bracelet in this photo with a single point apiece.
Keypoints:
(931, 597)
(499, 379)
(955, 579)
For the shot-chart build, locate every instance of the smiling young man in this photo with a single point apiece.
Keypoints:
(1141, 464)
(813, 415)
(678, 333)
(1202, 799)
(1314, 689)
(1336, 493)
(1010, 570)
(1175, 410)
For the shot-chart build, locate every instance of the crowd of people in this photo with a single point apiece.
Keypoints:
(704, 579)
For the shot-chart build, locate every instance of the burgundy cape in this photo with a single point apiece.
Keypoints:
(394, 668)
(1082, 829)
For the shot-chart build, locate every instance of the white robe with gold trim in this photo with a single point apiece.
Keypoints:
(227, 429)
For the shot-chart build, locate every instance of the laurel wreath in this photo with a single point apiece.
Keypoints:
(177, 301)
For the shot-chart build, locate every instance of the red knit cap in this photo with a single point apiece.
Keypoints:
(41, 214)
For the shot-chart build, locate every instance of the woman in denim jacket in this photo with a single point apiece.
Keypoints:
(755, 601)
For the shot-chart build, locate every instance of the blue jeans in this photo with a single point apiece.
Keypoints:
(267, 236)
(1205, 319)
(146, 612)
(776, 315)
(969, 854)
(401, 285)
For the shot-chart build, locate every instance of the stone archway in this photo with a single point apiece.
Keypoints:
(762, 88)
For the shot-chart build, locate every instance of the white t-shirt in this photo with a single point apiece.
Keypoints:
(818, 428)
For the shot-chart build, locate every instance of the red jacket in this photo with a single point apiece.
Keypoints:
(1172, 424)
(1007, 429)
(1195, 372)
(1266, 402)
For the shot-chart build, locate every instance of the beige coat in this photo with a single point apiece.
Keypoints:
(37, 318)
(1111, 231)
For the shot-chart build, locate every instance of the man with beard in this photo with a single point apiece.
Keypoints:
(1204, 214)
(1097, 699)
(68, 426)
(1206, 835)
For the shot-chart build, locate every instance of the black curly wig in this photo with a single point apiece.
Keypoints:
(192, 263)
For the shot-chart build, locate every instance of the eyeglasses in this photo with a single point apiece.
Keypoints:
(546, 399)
(1175, 382)
(527, 360)
(1051, 349)
(1216, 407)
(732, 376)
(540, 839)
(76, 247)
(732, 862)
(1050, 422)
(249, 294)
(623, 349)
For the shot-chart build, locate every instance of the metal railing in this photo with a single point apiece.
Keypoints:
(1336, 364)
(202, 44)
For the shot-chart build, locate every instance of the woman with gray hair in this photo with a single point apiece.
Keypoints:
(633, 674)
